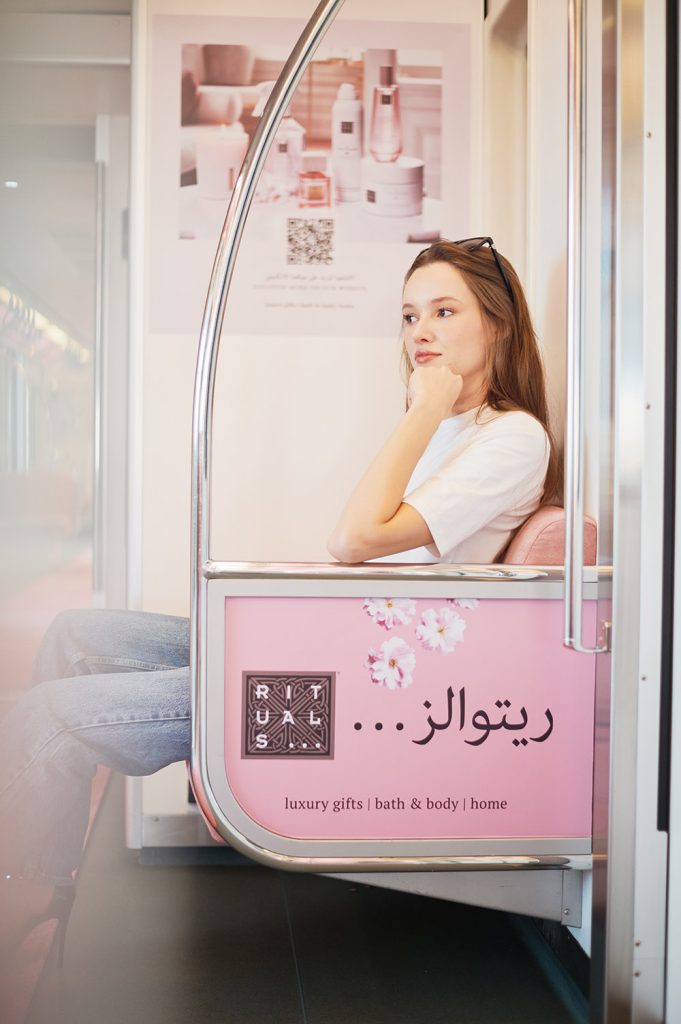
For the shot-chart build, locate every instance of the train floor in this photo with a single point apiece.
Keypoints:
(241, 944)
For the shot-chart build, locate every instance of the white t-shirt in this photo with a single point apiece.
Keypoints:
(475, 483)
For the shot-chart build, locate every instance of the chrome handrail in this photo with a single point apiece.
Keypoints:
(216, 299)
(393, 571)
(202, 569)
(576, 261)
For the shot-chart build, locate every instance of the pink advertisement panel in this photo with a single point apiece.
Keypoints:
(408, 719)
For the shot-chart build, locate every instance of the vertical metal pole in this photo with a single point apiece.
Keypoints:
(21, 415)
(8, 414)
(99, 359)
(602, 766)
(97, 390)
(671, 708)
(576, 263)
(617, 710)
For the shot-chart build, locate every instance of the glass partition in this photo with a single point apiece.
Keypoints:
(55, 282)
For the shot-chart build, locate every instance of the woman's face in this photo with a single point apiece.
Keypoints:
(442, 325)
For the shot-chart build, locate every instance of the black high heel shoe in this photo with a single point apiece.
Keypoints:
(58, 909)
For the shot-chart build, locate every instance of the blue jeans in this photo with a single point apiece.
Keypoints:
(109, 688)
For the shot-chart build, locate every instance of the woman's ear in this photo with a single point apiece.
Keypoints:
(493, 330)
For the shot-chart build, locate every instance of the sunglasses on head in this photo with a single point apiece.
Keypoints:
(473, 244)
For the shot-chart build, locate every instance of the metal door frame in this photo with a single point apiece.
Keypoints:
(630, 849)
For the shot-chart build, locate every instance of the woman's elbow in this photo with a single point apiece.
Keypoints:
(348, 547)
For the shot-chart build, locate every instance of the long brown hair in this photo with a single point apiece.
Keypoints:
(515, 371)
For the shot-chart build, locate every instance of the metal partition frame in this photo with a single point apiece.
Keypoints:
(623, 982)
(207, 572)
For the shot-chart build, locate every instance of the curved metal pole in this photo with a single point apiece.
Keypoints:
(574, 432)
(221, 276)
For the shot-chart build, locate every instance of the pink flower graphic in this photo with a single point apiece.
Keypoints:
(440, 631)
(393, 665)
(389, 611)
(464, 602)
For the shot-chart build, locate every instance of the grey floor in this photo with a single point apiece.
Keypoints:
(241, 944)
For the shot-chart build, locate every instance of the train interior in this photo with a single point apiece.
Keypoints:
(244, 889)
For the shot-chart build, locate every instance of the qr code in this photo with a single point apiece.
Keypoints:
(309, 241)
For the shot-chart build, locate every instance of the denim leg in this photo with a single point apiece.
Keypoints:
(93, 641)
(127, 705)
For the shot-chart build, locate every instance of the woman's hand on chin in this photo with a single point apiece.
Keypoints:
(435, 387)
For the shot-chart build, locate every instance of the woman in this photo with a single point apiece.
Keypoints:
(469, 461)
(474, 456)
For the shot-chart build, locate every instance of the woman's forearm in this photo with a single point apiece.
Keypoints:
(379, 493)
(375, 522)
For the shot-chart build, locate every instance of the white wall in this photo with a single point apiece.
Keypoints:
(505, 130)
(297, 419)
(526, 187)
(547, 191)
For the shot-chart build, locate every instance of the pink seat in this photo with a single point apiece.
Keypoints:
(541, 539)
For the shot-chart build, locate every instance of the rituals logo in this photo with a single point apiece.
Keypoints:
(288, 715)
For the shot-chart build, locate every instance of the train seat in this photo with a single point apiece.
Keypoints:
(541, 539)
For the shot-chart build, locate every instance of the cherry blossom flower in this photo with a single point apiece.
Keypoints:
(464, 602)
(440, 630)
(393, 665)
(390, 611)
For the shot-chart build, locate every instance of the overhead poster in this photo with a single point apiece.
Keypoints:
(371, 162)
